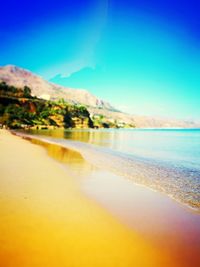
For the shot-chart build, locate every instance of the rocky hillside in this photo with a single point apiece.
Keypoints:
(20, 110)
(19, 77)
(98, 108)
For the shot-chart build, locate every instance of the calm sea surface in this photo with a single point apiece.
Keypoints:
(165, 160)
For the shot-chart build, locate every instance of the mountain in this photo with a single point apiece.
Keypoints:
(19, 77)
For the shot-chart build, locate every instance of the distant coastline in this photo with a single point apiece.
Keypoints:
(20, 110)
(103, 114)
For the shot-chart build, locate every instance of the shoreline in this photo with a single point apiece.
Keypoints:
(187, 207)
(161, 255)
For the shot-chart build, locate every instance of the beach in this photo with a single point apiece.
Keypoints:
(49, 217)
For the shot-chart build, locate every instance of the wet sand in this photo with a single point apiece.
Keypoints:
(73, 214)
(47, 221)
(160, 219)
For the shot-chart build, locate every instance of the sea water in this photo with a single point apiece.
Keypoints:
(167, 160)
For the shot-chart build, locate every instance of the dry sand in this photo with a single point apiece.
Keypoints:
(45, 220)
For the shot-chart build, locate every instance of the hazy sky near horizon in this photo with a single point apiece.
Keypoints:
(142, 56)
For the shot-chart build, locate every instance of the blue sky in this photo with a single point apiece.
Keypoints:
(142, 56)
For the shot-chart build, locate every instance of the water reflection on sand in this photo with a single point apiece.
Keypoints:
(162, 221)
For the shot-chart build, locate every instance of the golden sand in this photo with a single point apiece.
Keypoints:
(46, 221)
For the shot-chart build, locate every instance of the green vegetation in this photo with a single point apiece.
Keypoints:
(18, 109)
